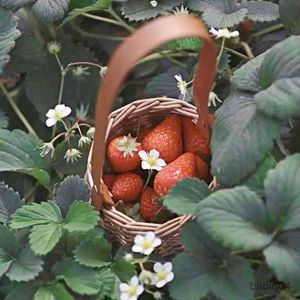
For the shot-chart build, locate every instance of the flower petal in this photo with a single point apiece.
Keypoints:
(161, 283)
(146, 165)
(134, 281)
(66, 111)
(143, 155)
(170, 277)
(157, 267)
(235, 34)
(168, 267)
(124, 296)
(139, 289)
(137, 249)
(51, 122)
(157, 168)
(123, 287)
(50, 113)
(161, 163)
(154, 153)
(150, 236)
(138, 239)
(148, 251)
(178, 77)
(156, 242)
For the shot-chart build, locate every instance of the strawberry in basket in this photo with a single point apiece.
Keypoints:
(122, 153)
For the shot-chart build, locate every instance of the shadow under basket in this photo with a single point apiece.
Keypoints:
(143, 113)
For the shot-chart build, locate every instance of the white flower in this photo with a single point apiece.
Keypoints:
(163, 274)
(84, 140)
(91, 133)
(103, 71)
(47, 148)
(80, 71)
(72, 155)
(145, 244)
(157, 296)
(151, 160)
(58, 113)
(181, 11)
(54, 47)
(223, 33)
(128, 257)
(132, 290)
(213, 97)
(181, 84)
(153, 3)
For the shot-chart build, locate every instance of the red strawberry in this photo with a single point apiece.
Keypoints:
(149, 204)
(126, 187)
(109, 180)
(166, 138)
(202, 168)
(143, 133)
(245, 28)
(122, 153)
(184, 166)
(194, 138)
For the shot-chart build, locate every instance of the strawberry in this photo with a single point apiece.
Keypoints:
(149, 204)
(245, 29)
(166, 138)
(202, 168)
(184, 166)
(194, 138)
(126, 187)
(143, 133)
(108, 180)
(122, 153)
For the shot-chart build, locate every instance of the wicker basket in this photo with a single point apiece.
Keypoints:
(146, 113)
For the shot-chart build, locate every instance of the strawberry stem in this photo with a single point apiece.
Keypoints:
(150, 172)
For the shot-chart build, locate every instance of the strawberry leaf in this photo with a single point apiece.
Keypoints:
(289, 13)
(54, 291)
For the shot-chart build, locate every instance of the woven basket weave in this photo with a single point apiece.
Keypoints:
(145, 113)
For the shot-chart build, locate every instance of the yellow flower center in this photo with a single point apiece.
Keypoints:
(147, 244)
(58, 115)
(132, 291)
(161, 275)
(151, 161)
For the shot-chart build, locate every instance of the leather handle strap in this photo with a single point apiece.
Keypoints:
(144, 40)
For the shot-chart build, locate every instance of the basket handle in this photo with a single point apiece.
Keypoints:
(138, 45)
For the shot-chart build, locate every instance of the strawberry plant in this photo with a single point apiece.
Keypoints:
(241, 185)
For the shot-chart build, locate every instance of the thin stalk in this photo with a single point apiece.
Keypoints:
(221, 50)
(102, 19)
(150, 172)
(248, 50)
(16, 109)
(120, 20)
(236, 53)
(268, 30)
(84, 64)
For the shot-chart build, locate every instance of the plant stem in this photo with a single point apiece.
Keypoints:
(120, 20)
(248, 50)
(236, 53)
(221, 51)
(150, 172)
(84, 64)
(268, 30)
(103, 19)
(17, 110)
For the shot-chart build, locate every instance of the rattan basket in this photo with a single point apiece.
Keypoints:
(145, 113)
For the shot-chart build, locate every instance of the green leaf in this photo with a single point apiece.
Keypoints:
(262, 11)
(9, 202)
(282, 190)
(93, 252)
(43, 238)
(35, 214)
(81, 217)
(235, 217)
(20, 291)
(256, 181)
(109, 284)
(71, 189)
(207, 268)
(53, 292)
(124, 270)
(241, 137)
(289, 13)
(3, 120)
(185, 195)
(50, 10)
(25, 267)
(14, 4)
(19, 153)
(80, 279)
(97, 6)
(219, 14)
(140, 10)
(280, 76)
(283, 258)
(8, 35)
(189, 43)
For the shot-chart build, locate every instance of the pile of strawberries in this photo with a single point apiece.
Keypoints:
(180, 143)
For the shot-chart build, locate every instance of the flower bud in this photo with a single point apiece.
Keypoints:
(54, 47)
